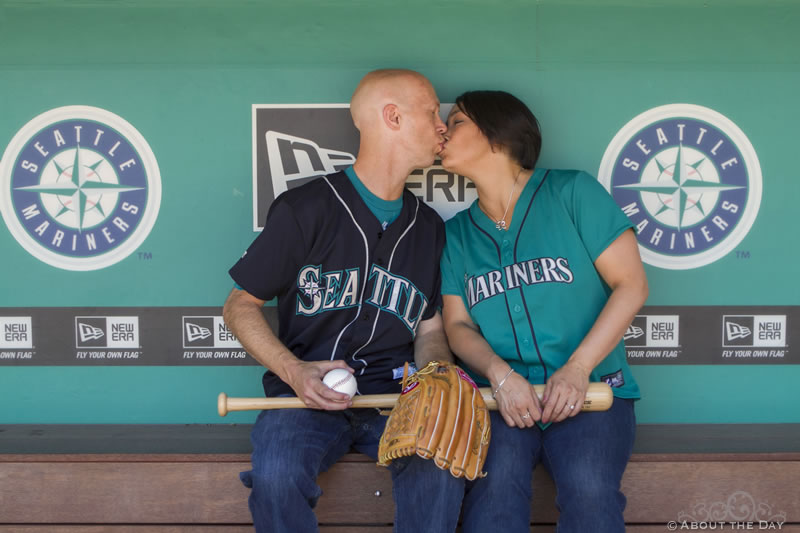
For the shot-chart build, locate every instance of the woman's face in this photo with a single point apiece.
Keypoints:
(465, 145)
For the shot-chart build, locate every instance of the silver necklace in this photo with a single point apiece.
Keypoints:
(501, 224)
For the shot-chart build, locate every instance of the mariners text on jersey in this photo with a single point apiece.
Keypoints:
(540, 270)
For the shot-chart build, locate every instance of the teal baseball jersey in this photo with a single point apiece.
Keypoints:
(533, 289)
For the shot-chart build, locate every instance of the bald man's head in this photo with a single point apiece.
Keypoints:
(380, 88)
(397, 113)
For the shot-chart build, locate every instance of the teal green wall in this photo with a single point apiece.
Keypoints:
(185, 74)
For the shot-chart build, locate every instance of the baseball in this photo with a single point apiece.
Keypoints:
(341, 380)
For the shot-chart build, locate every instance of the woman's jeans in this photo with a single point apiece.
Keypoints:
(586, 456)
(291, 447)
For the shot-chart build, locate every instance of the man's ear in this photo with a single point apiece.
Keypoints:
(391, 116)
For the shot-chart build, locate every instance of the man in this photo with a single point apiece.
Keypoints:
(353, 260)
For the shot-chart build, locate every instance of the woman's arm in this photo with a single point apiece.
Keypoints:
(516, 399)
(621, 268)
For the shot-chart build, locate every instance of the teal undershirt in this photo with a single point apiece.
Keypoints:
(386, 211)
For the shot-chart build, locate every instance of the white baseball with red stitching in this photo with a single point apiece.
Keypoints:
(341, 380)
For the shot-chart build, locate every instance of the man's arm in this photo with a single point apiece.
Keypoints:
(242, 313)
(430, 343)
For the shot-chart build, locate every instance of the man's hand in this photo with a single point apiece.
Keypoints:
(243, 315)
(305, 378)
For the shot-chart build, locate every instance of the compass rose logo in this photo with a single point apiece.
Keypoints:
(311, 288)
(690, 181)
(81, 188)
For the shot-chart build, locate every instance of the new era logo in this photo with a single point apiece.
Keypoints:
(195, 332)
(107, 332)
(293, 144)
(653, 331)
(89, 333)
(208, 332)
(754, 331)
(736, 331)
(633, 332)
(15, 332)
(294, 158)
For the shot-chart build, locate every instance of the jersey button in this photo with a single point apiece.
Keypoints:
(506, 242)
(366, 317)
(526, 342)
(517, 308)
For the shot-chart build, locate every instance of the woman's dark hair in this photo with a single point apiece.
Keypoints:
(506, 122)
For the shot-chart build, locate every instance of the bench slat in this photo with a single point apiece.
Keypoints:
(548, 528)
(659, 492)
(205, 492)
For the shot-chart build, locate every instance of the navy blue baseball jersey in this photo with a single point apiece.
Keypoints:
(533, 290)
(346, 288)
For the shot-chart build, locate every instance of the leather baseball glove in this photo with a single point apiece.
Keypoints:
(440, 415)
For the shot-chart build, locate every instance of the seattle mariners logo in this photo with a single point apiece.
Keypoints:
(80, 188)
(690, 181)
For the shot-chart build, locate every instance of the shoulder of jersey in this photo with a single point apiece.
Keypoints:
(565, 180)
(316, 194)
(458, 228)
(562, 176)
(459, 219)
(426, 212)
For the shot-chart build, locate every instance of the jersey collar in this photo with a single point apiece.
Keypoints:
(520, 210)
(364, 216)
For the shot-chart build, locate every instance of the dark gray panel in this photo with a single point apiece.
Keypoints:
(66, 336)
(707, 335)
(176, 336)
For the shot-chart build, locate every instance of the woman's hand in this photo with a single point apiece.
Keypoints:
(516, 398)
(564, 393)
(517, 401)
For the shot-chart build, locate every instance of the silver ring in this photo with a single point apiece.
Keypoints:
(526, 415)
(571, 407)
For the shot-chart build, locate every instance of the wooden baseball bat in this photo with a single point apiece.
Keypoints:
(598, 398)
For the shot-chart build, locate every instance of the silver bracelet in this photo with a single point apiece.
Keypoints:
(499, 385)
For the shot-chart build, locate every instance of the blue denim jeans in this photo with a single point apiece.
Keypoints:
(586, 456)
(291, 447)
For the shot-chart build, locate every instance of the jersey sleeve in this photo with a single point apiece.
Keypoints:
(270, 264)
(436, 302)
(598, 219)
(435, 305)
(449, 264)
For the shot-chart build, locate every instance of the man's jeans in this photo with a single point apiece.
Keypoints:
(291, 447)
(586, 455)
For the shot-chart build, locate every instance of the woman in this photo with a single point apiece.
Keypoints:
(541, 277)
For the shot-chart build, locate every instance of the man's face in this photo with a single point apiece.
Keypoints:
(424, 131)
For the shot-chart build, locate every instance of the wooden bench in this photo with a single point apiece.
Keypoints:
(180, 479)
